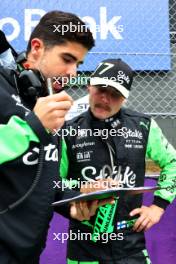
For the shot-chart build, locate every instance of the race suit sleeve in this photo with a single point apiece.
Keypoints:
(163, 154)
(64, 165)
(66, 186)
(17, 134)
(15, 138)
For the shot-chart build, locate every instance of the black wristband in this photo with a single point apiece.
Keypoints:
(160, 202)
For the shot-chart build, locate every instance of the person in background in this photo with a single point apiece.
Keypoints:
(113, 142)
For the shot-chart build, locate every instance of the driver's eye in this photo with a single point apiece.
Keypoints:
(67, 60)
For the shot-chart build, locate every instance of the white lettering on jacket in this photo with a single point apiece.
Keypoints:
(127, 133)
(126, 179)
(51, 154)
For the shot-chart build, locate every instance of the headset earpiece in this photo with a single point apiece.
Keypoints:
(31, 85)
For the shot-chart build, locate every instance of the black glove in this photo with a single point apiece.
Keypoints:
(4, 45)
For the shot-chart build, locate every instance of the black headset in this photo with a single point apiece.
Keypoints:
(31, 84)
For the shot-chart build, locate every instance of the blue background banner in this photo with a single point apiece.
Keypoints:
(137, 31)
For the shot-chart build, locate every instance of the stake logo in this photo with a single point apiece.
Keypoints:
(51, 154)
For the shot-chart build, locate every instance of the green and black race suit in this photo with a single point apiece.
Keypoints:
(24, 229)
(96, 153)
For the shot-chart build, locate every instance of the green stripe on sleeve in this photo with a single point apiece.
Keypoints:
(163, 154)
(64, 161)
(15, 137)
(64, 164)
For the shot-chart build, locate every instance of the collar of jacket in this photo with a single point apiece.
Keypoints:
(111, 122)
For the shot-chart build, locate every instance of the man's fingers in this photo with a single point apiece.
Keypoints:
(149, 225)
(62, 96)
(93, 207)
(106, 201)
(63, 105)
(84, 210)
(76, 212)
(142, 225)
(51, 110)
(59, 114)
(138, 222)
(135, 211)
(148, 217)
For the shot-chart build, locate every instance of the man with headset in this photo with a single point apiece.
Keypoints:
(112, 142)
(30, 155)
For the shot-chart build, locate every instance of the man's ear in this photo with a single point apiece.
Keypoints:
(88, 88)
(124, 101)
(37, 47)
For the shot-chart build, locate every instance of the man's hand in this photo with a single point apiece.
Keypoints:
(51, 110)
(148, 217)
(84, 210)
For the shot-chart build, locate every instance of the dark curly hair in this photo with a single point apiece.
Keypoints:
(46, 30)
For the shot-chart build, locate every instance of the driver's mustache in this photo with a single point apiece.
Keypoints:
(105, 107)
